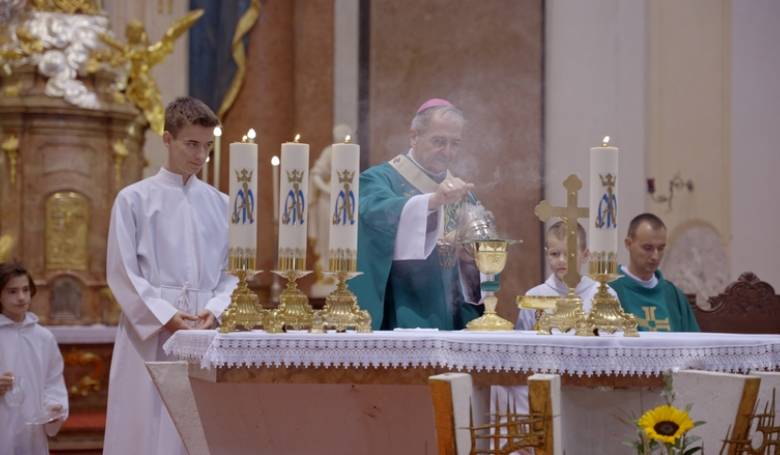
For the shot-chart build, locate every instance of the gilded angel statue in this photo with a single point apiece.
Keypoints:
(140, 57)
(6, 243)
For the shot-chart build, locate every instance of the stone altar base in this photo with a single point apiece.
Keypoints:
(360, 411)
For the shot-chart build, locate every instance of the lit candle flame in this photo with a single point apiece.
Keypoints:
(348, 139)
(251, 134)
(208, 158)
(274, 161)
(297, 138)
(217, 131)
(605, 141)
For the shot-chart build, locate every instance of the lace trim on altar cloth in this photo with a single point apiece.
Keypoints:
(650, 354)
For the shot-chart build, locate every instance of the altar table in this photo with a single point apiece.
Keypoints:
(359, 393)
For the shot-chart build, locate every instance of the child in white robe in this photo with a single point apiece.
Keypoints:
(33, 397)
(556, 253)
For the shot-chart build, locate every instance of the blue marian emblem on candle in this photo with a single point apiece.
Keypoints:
(607, 214)
(244, 204)
(344, 211)
(294, 203)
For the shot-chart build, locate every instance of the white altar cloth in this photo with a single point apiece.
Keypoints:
(652, 353)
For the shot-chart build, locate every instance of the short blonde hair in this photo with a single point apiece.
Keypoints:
(558, 230)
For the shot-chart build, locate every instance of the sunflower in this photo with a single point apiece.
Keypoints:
(665, 423)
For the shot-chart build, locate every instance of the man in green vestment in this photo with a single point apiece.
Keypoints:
(656, 302)
(406, 206)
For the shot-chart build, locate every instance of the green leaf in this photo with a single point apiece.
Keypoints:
(692, 451)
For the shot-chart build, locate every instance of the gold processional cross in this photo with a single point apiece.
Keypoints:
(569, 214)
(650, 323)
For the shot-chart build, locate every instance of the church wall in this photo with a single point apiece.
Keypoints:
(345, 62)
(688, 128)
(595, 57)
(755, 157)
(486, 57)
(313, 50)
(683, 87)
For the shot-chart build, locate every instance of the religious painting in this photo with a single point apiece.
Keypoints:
(67, 226)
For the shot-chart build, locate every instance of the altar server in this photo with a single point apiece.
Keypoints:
(657, 303)
(33, 398)
(556, 254)
(166, 261)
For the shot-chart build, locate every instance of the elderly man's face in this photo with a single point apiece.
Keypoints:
(439, 145)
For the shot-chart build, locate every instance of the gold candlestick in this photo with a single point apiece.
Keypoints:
(341, 311)
(244, 312)
(490, 256)
(294, 311)
(606, 313)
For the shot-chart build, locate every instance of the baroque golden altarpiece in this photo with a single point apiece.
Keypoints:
(75, 105)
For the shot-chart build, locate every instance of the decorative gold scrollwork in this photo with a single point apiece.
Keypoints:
(90, 382)
(67, 227)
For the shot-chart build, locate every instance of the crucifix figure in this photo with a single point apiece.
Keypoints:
(544, 211)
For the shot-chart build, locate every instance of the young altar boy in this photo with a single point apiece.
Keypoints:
(33, 398)
(556, 252)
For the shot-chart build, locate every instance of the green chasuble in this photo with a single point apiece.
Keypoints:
(409, 293)
(663, 308)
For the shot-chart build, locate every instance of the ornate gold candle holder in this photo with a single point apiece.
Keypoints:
(490, 256)
(606, 314)
(566, 316)
(294, 311)
(244, 312)
(341, 311)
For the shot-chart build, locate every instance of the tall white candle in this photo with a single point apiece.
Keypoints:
(344, 191)
(275, 185)
(293, 205)
(242, 211)
(602, 223)
(217, 155)
(204, 171)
